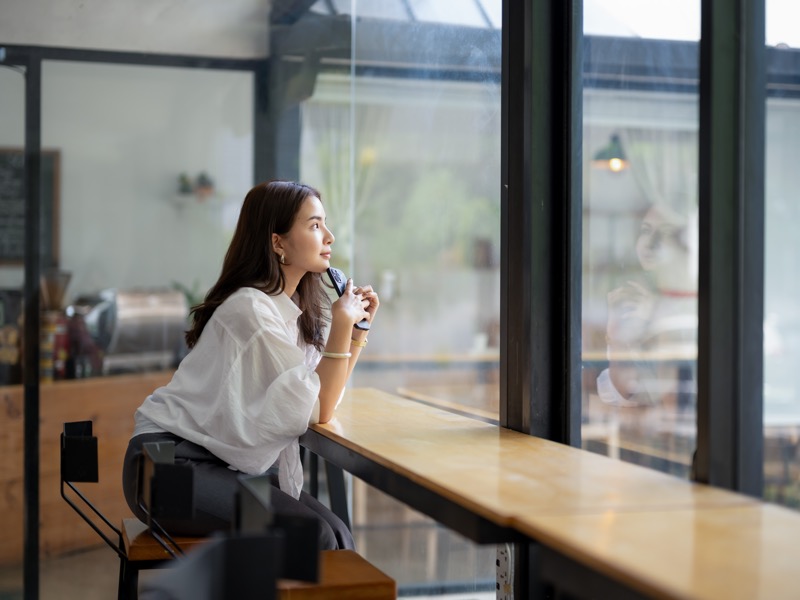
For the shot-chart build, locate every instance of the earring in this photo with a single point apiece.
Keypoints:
(283, 259)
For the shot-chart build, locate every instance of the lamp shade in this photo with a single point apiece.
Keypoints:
(611, 156)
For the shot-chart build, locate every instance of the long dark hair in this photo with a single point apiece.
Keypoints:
(268, 208)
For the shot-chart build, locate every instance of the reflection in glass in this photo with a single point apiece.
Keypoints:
(640, 251)
(652, 315)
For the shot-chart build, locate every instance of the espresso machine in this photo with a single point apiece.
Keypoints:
(133, 329)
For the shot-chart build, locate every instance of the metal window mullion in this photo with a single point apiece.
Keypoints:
(541, 235)
(33, 260)
(572, 54)
(515, 254)
(731, 270)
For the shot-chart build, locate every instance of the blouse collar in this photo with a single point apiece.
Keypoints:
(288, 310)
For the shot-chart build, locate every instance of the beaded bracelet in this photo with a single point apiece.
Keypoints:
(337, 354)
(358, 343)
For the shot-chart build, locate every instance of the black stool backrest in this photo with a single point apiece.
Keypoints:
(79, 453)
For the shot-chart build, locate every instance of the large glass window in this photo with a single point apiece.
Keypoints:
(782, 260)
(640, 252)
(405, 146)
(425, 210)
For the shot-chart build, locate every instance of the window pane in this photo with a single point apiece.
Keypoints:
(460, 12)
(782, 260)
(128, 248)
(406, 150)
(12, 136)
(139, 248)
(640, 236)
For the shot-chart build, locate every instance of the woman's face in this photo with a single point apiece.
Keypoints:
(307, 245)
(661, 241)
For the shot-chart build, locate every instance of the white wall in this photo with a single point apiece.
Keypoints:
(125, 133)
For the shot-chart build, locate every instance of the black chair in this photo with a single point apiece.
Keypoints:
(138, 546)
(247, 563)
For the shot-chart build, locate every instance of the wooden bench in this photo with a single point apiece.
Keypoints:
(344, 574)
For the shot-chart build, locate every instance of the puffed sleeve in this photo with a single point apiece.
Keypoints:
(266, 402)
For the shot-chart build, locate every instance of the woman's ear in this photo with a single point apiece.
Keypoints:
(277, 244)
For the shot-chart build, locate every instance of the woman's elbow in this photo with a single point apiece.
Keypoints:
(327, 407)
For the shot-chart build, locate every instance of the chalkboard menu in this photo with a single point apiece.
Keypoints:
(12, 207)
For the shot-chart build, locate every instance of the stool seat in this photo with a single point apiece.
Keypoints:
(344, 575)
(140, 545)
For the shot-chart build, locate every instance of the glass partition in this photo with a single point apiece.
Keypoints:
(155, 162)
(782, 259)
(640, 251)
(12, 211)
(12, 142)
(143, 172)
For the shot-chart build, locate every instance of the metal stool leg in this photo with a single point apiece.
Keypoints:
(337, 492)
(128, 580)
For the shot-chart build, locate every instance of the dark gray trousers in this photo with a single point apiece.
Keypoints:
(214, 494)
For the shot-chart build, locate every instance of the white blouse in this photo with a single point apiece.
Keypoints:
(246, 391)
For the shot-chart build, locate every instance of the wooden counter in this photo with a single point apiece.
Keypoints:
(494, 472)
(477, 400)
(605, 528)
(107, 401)
(742, 552)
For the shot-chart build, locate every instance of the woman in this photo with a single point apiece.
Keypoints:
(264, 362)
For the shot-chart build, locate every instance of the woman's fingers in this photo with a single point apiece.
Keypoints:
(369, 299)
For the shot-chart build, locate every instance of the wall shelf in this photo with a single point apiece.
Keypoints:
(181, 201)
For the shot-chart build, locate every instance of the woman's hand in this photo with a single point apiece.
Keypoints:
(369, 300)
(630, 310)
(351, 306)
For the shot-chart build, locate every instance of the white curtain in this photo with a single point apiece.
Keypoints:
(664, 166)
